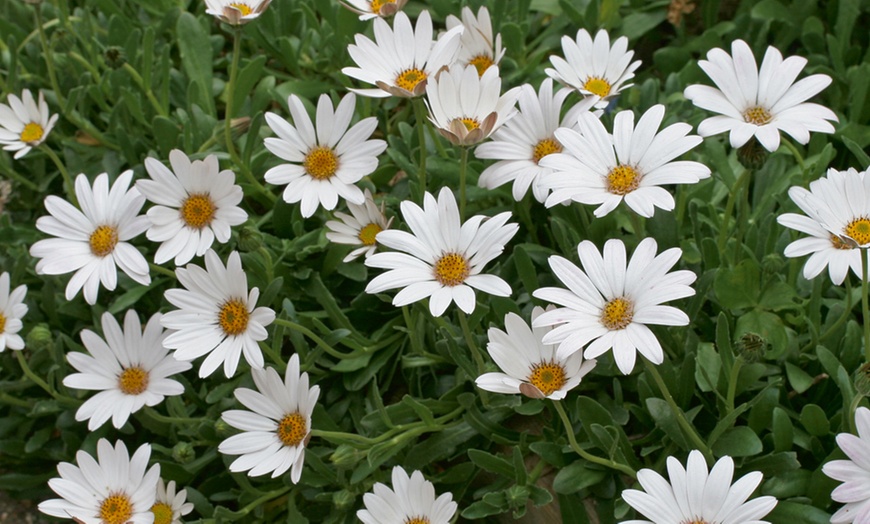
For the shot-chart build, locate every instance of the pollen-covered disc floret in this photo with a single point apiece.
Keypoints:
(442, 258)
(216, 315)
(93, 242)
(609, 303)
(276, 429)
(854, 473)
(760, 103)
(236, 12)
(596, 167)
(169, 506)
(24, 123)
(12, 309)
(360, 228)
(478, 47)
(326, 159)
(368, 9)
(410, 501)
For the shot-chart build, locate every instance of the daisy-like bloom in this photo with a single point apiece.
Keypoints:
(195, 204)
(478, 48)
(696, 496)
(93, 241)
(169, 506)
(531, 367)
(594, 67)
(442, 258)
(610, 304)
(236, 12)
(599, 168)
(403, 59)
(130, 369)
(326, 160)
(216, 315)
(466, 108)
(528, 137)
(114, 489)
(368, 9)
(24, 124)
(361, 229)
(12, 308)
(760, 103)
(853, 473)
(277, 427)
(410, 501)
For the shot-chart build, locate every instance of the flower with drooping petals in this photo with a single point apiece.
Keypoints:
(361, 229)
(24, 123)
(410, 501)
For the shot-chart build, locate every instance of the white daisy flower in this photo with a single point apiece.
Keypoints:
(530, 366)
(478, 48)
(521, 144)
(24, 124)
(403, 58)
(760, 103)
(599, 168)
(216, 315)
(442, 258)
(368, 9)
(12, 309)
(114, 489)
(169, 506)
(236, 12)
(694, 496)
(610, 304)
(130, 369)
(854, 473)
(594, 67)
(94, 240)
(277, 427)
(840, 203)
(410, 501)
(361, 229)
(326, 161)
(196, 203)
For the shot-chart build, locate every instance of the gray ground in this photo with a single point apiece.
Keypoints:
(14, 511)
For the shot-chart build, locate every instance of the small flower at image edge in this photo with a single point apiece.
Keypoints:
(442, 258)
(694, 496)
(853, 473)
(170, 506)
(24, 124)
(478, 48)
(236, 12)
(410, 501)
(217, 315)
(531, 367)
(12, 309)
(93, 241)
(114, 489)
(277, 427)
(368, 9)
(196, 204)
(361, 229)
(130, 369)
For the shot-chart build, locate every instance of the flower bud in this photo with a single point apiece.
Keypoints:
(343, 499)
(183, 452)
(114, 56)
(752, 155)
(346, 457)
(39, 338)
(250, 239)
(751, 347)
(861, 378)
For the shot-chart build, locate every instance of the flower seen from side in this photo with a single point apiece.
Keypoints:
(236, 12)
(442, 258)
(368, 9)
(24, 123)
(854, 473)
(94, 241)
(360, 228)
(760, 103)
(478, 48)
(12, 309)
(410, 501)
(170, 506)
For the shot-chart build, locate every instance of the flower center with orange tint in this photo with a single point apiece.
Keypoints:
(859, 231)
(103, 240)
(757, 115)
(162, 513)
(198, 210)
(838, 243)
(696, 521)
(2, 323)
(617, 314)
(547, 377)
(133, 381)
(321, 163)
(233, 317)
(292, 429)
(451, 269)
(409, 79)
(116, 509)
(417, 520)
(622, 180)
(470, 123)
(367, 234)
(545, 147)
(597, 86)
(32, 132)
(243, 8)
(481, 63)
(377, 5)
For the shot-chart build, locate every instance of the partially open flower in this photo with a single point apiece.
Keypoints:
(478, 48)
(368, 9)
(236, 12)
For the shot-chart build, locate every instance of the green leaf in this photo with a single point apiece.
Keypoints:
(196, 55)
(491, 463)
(767, 325)
(245, 81)
(665, 419)
(738, 442)
(815, 421)
(795, 513)
(577, 476)
(799, 379)
(783, 430)
(636, 25)
(737, 288)
(863, 158)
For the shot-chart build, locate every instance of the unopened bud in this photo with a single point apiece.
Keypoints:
(751, 347)
(114, 56)
(861, 378)
(752, 155)
(772, 263)
(343, 499)
(250, 239)
(39, 338)
(183, 452)
(346, 457)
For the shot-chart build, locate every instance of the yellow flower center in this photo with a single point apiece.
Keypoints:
(292, 429)
(133, 381)
(2, 323)
(32, 132)
(245, 10)
(409, 79)
(117, 509)
(617, 314)
(451, 269)
(103, 240)
(622, 180)
(377, 5)
(233, 317)
(417, 520)
(859, 231)
(198, 210)
(469, 123)
(838, 243)
(162, 513)
(321, 163)
(696, 521)
(481, 63)
(545, 147)
(597, 86)
(367, 234)
(757, 115)
(547, 377)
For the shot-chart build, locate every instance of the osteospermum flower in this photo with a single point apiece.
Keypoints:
(277, 427)
(594, 67)
(368, 9)
(478, 47)
(528, 137)
(12, 308)
(403, 59)
(695, 496)
(598, 168)
(853, 473)
(93, 241)
(760, 103)
(216, 315)
(236, 12)
(442, 258)
(24, 124)
(169, 506)
(410, 501)
(361, 229)
(196, 203)
(608, 304)
(530, 366)
(466, 108)
(114, 489)
(326, 160)
(130, 369)
(840, 203)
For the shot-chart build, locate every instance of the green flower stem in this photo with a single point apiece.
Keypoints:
(865, 310)
(6, 398)
(49, 59)
(732, 383)
(274, 355)
(412, 331)
(572, 439)
(729, 209)
(420, 116)
(151, 412)
(637, 223)
(442, 152)
(84, 62)
(12, 174)
(402, 430)
(463, 174)
(147, 89)
(847, 312)
(524, 210)
(37, 380)
(162, 270)
(795, 153)
(853, 407)
(272, 495)
(472, 346)
(317, 340)
(68, 185)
